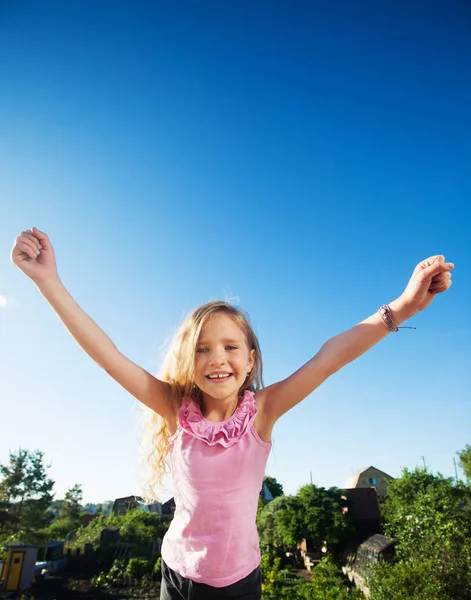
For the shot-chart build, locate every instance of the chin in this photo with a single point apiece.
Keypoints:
(221, 393)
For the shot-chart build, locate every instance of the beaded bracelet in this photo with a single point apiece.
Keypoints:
(385, 314)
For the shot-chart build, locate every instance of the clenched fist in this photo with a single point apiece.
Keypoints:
(34, 255)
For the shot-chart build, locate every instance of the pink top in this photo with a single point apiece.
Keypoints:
(218, 470)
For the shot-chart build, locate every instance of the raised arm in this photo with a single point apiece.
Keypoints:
(34, 255)
(432, 276)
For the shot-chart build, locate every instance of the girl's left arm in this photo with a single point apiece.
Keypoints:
(432, 276)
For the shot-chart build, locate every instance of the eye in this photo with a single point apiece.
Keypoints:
(231, 347)
(201, 349)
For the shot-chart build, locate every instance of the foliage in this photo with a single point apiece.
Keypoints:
(114, 578)
(137, 568)
(157, 571)
(57, 530)
(465, 462)
(274, 486)
(323, 517)
(270, 572)
(72, 503)
(427, 514)
(104, 509)
(327, 583)
(430, 520)
(315, 513)
(124, 573)
(136, 527)
(26, 490)
(278, 523)
(413, 580)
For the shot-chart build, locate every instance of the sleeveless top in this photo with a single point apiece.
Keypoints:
(218, 471)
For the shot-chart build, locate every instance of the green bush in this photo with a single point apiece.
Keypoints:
(137, 528)
(57, 530)
(405, 581)
(327, 583)
(157, 571)
(419, 580)
(116, 576)
(137, 568)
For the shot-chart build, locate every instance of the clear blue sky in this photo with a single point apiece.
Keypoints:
(301, 157)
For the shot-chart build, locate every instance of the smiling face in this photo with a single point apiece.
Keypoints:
(223, 358)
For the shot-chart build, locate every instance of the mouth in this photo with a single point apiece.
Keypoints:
(218, 377)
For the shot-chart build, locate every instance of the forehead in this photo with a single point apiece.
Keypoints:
(221, 325)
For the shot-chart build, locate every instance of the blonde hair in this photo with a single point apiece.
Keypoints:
(178, 369)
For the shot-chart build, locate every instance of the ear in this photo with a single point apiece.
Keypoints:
(251, 359)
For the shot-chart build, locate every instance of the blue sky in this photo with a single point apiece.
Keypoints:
(298, 157)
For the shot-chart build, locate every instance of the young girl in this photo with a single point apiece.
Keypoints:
(217, 417)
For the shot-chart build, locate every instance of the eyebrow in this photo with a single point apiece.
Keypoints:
(224, 341)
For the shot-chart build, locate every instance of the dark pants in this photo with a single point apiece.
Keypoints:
(176, 587)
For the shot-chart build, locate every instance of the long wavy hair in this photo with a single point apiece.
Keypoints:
(178, 369)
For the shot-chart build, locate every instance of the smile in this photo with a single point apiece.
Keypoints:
(219, 376)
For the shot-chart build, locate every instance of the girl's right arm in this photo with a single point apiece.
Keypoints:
(33, 254)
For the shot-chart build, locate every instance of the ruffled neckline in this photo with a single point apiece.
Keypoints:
(226, 433)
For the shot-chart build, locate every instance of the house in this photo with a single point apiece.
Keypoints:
(370, 477)
(168, 509)
(122, 505)
(265, 493)
(364, 508)
(373, 550)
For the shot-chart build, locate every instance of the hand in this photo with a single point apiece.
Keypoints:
(34, 255)
(430, 277)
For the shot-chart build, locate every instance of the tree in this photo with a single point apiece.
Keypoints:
(26, 490)
(430, 520)
(72, 503)
(324, 518)
(279, 523)
(274, 486)
(315, 513)
(104, 509)
(420, 508)
(465, 462)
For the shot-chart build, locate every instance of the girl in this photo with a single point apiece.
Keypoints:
(216, 417)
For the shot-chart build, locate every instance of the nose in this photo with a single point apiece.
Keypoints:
(217, 358)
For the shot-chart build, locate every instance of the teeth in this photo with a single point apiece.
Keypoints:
(218, 376)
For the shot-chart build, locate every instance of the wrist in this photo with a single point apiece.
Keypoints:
(401, 310)
(48, 286)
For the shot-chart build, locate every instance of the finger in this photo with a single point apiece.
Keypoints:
(440, 283)
(440, 289)
(43, 238)
(28, 234)
(441, 277)
(25, 248)
(29, 241)
(428, 262)
(438, 266)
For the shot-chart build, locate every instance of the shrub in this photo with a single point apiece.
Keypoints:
(137, 568)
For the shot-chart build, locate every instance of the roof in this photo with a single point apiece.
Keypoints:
(377, 542)
(265, 493)
(352, 481)
(363, 503)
